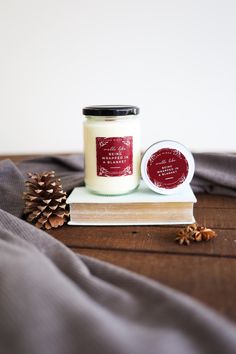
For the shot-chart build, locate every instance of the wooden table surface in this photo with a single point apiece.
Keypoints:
(205, 271)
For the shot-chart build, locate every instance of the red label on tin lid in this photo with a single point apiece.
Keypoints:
(114, 156)
(167, 168)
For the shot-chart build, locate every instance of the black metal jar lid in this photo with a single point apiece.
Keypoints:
(110, 110)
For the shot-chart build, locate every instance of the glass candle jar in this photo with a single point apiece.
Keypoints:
(112, 149)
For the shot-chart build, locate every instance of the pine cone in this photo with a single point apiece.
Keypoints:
(44, 198)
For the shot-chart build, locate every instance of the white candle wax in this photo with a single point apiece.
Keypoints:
(112, 154)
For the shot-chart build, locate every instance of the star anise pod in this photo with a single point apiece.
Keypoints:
(194, 232)
(204, 234)
(183, 237)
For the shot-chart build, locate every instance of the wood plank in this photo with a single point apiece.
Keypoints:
(210, 280)
(215, 201)
(19, 158)
(143, 238)
(216, 218)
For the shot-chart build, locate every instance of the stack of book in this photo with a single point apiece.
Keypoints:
(142, 207)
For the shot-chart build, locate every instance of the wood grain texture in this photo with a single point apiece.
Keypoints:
(206, 271)
(215, 201)
(160, 238)
(19, 158)
(150, 239)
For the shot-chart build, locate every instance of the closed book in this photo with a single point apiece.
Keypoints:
(142, 207)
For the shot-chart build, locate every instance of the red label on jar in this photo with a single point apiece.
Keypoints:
(114, 156)
(167, 168)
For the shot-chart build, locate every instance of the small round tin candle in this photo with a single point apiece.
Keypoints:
(167, 166)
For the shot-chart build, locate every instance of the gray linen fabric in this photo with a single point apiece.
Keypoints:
(55, 302)
(215, 174)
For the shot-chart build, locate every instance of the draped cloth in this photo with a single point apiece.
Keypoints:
(53, 301)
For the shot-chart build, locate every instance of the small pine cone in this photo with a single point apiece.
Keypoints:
(45, 201)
